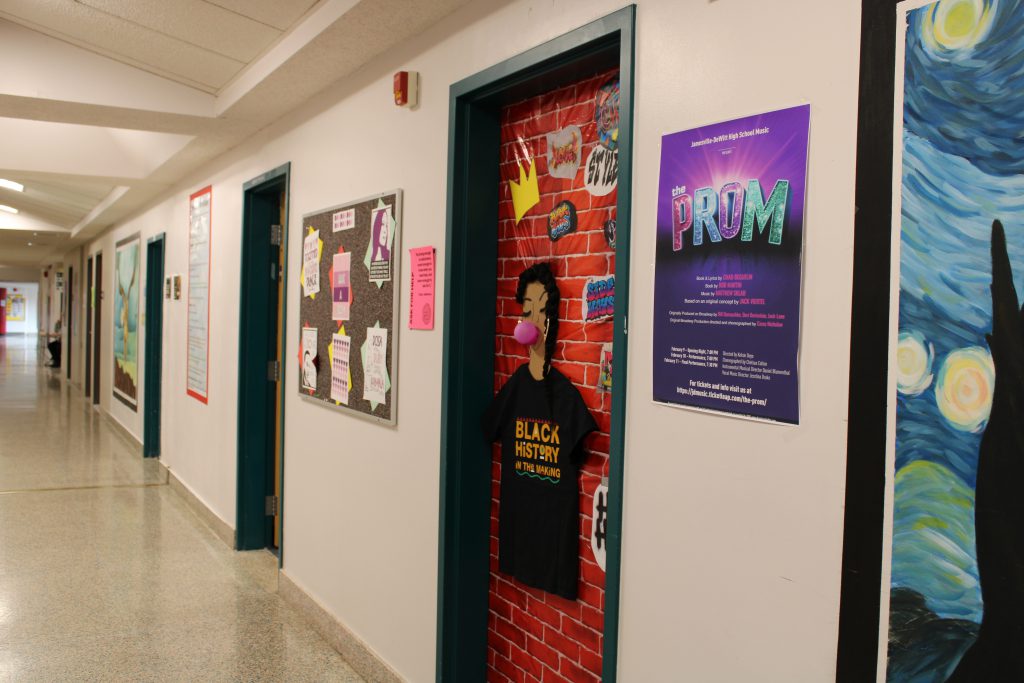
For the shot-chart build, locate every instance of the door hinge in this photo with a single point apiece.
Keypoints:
(270, 504)
(273, 371)
(276, 235)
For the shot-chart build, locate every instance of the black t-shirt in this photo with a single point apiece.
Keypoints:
(541, 425)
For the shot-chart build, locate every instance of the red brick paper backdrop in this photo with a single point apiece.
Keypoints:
(534, 635)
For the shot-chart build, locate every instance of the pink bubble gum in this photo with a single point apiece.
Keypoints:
(526, 333)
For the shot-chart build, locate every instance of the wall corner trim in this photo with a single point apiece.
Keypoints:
(358, 654)
(220, 528)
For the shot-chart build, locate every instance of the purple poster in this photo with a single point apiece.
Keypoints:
(727, 267)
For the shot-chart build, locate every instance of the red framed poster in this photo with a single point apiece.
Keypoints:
(198, 340)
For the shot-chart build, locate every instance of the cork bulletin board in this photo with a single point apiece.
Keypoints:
(348, 310)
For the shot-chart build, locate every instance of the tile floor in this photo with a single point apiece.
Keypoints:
(106, 575)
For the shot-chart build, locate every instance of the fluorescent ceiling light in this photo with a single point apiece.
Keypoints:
(11, 185)
(8, 209)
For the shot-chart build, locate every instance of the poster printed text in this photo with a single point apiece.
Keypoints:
(728, 266)
(198, 293)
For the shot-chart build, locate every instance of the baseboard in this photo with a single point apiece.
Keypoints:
(358, 654)
(121, 429)
(220, 528)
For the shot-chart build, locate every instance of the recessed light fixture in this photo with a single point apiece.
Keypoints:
(11, 185)
(30, 244)
(8, 209)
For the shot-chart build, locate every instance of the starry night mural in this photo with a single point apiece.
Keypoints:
(957, 587)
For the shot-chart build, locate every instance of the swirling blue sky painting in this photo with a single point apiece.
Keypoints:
(963, 168)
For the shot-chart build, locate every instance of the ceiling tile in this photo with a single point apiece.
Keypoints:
(195, 22)
(280, 14)
(124, 41)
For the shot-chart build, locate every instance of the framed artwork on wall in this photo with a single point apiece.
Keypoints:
(127, 258)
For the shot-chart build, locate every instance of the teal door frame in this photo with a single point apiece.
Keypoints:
(259, 344)
(97, 324)
(69, 319)
(469, 326)
(154, 345)
(87, 327)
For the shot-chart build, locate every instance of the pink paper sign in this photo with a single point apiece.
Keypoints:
(421, 298)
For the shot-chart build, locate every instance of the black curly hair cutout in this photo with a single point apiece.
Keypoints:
(541, 273)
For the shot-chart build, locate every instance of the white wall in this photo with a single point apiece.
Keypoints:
(732, 541)
(732, 538)
(29, 290)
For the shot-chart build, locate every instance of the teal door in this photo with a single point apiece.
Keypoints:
(260, 358)
(154, 346)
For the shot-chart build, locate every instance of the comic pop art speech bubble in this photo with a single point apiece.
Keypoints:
(565, 152)
(561, 220)
(609, 232)
(606, 114)
(602, 172)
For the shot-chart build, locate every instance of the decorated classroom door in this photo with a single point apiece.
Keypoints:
(559, 175)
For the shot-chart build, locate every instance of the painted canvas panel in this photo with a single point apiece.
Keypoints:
(126, 321)
(956, 604)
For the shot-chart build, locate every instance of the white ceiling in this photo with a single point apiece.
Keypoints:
(194, 42)
(104, 104)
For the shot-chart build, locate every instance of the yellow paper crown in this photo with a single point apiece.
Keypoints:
(525, 194)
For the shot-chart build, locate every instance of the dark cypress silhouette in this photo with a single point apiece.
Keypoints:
(998, 653)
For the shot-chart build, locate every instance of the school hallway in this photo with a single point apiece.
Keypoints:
(504, 341)
(106, 574)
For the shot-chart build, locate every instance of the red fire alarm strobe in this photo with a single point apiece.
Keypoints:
(405, 88)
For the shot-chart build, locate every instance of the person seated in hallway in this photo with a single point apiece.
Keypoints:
(54, 346)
